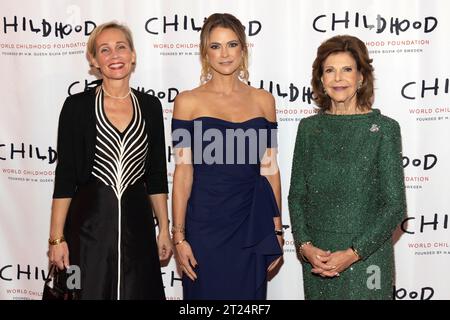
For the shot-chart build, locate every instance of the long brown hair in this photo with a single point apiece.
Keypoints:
(228, 21)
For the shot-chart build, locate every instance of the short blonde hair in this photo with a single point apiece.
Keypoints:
(228, 21)
(91, 46)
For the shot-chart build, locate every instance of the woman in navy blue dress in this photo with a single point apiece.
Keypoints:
(227, 227)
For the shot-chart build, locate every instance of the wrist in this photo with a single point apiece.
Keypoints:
(177, 237)
(163, 227)
(355, 253)
(55, 241)
(164, 234)
(301, 249)
(54, 234)
(176, 243)
(177, 228)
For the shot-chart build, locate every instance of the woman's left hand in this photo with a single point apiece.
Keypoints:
(341, 261)
(164, 245)
(278, 260)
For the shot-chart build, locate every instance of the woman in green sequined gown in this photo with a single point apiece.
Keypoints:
(347, 190)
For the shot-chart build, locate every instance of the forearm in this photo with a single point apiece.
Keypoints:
(377, 232)
(60, 207)
(297, 215)
(159, 204)
(270, 170)
(275, 184)
(182, 185)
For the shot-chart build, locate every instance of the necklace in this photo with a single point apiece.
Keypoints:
(114, 97)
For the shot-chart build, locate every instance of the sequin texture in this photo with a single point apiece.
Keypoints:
(347, 189)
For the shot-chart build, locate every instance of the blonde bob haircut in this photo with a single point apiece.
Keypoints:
(91, 46)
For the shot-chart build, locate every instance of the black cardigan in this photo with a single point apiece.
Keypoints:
(77, 137)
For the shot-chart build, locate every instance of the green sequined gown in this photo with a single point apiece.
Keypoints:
(347, 189)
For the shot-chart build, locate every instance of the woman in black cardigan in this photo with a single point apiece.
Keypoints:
(111, 173)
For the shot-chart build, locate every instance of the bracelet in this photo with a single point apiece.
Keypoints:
(355, 252)
(56, 241)
(180, 242)
(279, 232)
(177, 228)
(300, 249)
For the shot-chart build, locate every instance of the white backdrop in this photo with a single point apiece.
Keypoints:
(42, 45)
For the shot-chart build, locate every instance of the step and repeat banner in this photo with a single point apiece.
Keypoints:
(43, 60)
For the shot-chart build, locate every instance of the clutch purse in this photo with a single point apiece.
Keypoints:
(55, 286)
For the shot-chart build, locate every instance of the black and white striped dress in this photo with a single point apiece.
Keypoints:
(119, 156)
(117, 248)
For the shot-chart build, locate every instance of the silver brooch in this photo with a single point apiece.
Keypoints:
(374, 128)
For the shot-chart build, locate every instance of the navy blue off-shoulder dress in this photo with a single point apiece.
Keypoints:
(230, 211)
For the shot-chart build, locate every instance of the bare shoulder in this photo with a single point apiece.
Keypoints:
(266, 102)
(185, 104)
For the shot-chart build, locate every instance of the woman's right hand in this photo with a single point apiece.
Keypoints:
(59, 255)
(318, 259)
(186, 259)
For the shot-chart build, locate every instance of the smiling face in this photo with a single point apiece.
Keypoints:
(341, 77)
(224, 52)
(113, 55)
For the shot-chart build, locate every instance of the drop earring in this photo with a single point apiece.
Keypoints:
(241, 75)
(206, 75)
